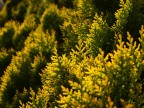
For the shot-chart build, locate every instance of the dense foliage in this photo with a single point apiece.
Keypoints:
(72, 54)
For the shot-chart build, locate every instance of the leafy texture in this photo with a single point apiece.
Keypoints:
(72, 54)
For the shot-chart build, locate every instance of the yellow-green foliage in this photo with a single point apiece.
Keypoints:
(81, 80)
(36, 7)
(117, 78)
(19, 96)
(5, 58)
(121, 16)
(38, 63)
(18, 12)
(14, 77)
(141, 39)
(40, 41)
(69, 31)
(7, 33)
(23, 31)
(73, 29)
(18, 73)
(51, 18)
(80, 55)
(86, 8)
(3, 13)
(100, 36)
(126, 65)
(88, 90)
(6, 46)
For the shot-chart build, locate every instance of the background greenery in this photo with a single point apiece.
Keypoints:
(72, 54)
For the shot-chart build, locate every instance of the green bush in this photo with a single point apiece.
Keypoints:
(6, 34)
(77, 54)
(23, 32)
(100, 36)
(82, 80)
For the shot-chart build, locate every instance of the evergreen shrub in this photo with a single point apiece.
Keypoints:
(72, 54)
